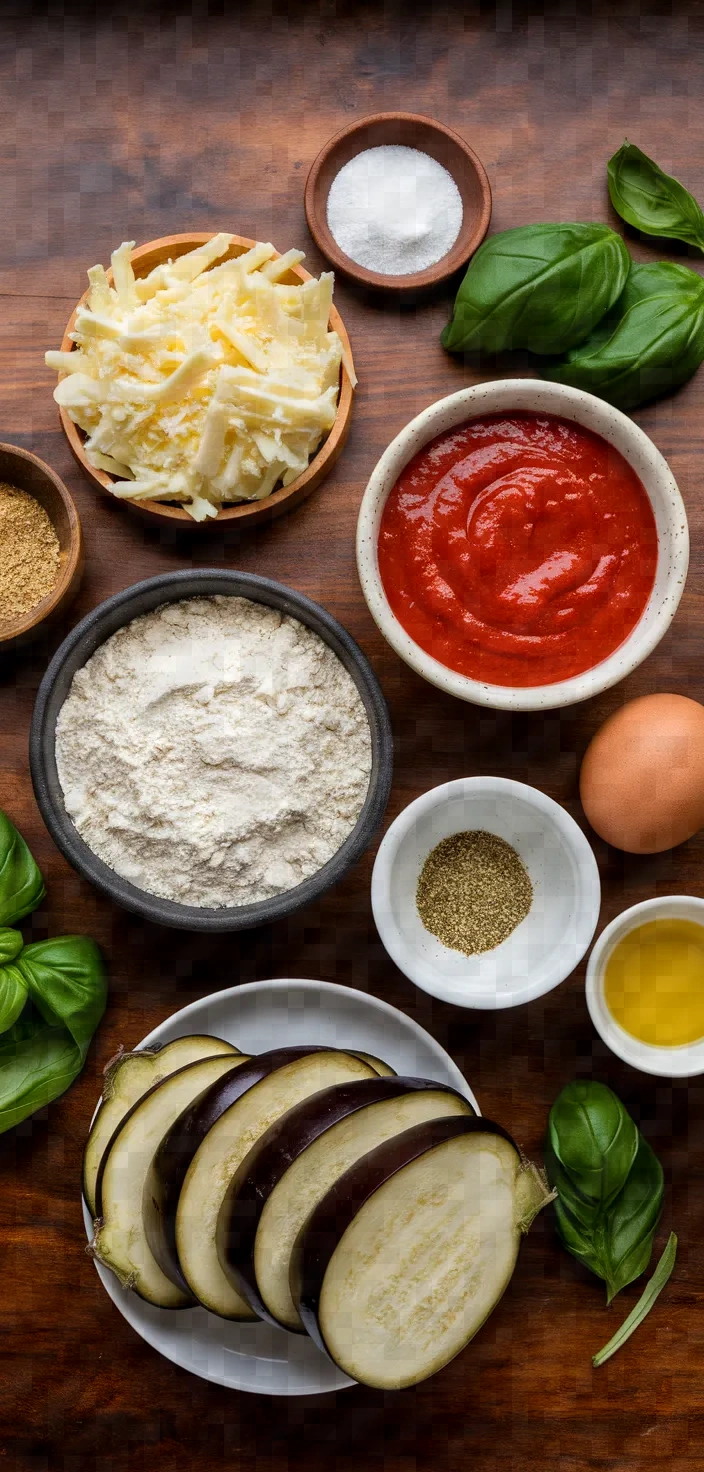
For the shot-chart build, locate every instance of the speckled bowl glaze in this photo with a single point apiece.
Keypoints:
(641, 454)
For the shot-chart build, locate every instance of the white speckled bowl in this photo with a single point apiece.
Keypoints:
(617, 429)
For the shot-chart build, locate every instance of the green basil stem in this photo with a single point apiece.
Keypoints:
(644, 1304)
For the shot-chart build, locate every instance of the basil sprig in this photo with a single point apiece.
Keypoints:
(627, 333)
(609, 1183)
(652, 1290)
(52, 993)
(651, 200)
(650, 342)
(541, 287)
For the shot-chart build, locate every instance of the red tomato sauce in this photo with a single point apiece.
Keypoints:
(518, 550)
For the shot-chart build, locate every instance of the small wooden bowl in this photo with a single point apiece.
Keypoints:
(144, 259)
(412, 131)
(27, 472)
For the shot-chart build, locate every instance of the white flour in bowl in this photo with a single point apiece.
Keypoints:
(214, 752)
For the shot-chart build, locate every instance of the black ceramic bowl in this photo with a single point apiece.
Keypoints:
(78, 648)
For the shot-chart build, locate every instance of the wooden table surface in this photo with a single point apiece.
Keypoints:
(131, 122)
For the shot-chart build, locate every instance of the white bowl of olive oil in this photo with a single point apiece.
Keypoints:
(645, 986)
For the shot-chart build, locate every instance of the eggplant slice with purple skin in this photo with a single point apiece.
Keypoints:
(120, 1240)
(410, 1251)
(127, 1078)
(383, 1069)
(213, 1140)
(172, 1160)
(290, 1170)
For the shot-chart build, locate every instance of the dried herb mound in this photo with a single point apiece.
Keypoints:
(473, 891)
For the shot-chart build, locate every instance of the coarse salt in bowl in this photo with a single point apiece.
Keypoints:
(394, 209)
(544, 948)
(425, 136)
(537, 397)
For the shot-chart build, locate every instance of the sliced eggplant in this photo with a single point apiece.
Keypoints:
(120, 1240)
(287, 1174)
(127, 1078)
(169, 1168)
(411, 1249)
(383, 1069)
(221, 1153)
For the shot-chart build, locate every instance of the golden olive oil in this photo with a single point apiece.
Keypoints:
(654, 982)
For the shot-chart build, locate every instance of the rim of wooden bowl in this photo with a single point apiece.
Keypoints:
(247, 511)
(318, 186)
(71, 569)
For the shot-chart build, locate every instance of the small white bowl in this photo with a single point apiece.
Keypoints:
(681, 1062)
(617, 429)
(544, 948)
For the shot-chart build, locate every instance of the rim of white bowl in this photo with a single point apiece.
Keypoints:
(687, 1059)
(536, 396)
(585, 864)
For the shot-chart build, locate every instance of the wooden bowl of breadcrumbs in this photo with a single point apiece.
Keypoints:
(41, 546)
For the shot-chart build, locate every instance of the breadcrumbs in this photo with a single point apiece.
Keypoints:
(29, 553)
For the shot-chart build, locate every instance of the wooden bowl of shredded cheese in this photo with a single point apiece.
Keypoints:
(226, 375)
(41, 548)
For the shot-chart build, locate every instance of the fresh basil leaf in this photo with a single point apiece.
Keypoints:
(37, 1063)
(65, 978)
(614, 1242)
(52, 994)
(578, 1236)
(21, 884)
(583, 1213)
(11, 944)
(609, 1183)
(576, 1216)
(649, 344)
(45, 1050)
(594, 1139)
(13, 993)
(651, 200)
(541, 287)
(628, 1228)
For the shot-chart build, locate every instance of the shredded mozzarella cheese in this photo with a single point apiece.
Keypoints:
(202, 383)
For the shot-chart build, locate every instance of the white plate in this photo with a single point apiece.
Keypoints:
(258, 1016)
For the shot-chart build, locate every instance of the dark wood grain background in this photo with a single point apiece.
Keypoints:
(131, 121)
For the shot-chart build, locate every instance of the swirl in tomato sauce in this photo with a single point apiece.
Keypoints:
(518, 550)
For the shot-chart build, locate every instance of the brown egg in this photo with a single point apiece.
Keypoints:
(642, 778)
